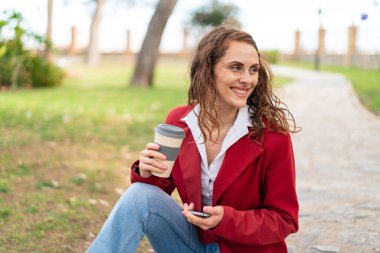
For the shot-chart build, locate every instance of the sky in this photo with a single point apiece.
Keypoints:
(272, 23)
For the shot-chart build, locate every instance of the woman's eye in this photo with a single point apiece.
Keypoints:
(235, 67)
(253, 70)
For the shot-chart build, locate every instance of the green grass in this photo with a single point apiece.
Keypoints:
(365, 82)
(64, 151)
(91, 104)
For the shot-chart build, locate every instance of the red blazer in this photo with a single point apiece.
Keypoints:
(255, 185)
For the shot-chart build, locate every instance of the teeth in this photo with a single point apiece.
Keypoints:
(240, 92)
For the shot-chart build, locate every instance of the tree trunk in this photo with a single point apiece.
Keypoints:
(93, 55)
(147, 57)
(48, 44)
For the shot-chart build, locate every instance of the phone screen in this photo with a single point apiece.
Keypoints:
(200, 214)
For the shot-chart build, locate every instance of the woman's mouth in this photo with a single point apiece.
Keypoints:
(240, 92)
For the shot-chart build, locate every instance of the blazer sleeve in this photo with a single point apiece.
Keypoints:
(166, 184)
(277, 216)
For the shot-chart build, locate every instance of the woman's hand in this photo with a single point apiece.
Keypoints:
(216, 212)
(150, 160)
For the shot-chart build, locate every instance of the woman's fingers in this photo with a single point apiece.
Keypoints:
(152, 151)
(187, 207)
(205, 223)
(216, 210)
(152, 154)
(150, 168)
(149, 161)
(153, 146)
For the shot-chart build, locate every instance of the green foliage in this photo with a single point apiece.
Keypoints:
(44, 185)
(20, 67)
(43, 73)
(4, 186)
(214, 14)
(22, 170)
(5, 213)
(271, 56)
(31, 209)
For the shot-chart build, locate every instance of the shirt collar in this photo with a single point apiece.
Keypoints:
(237, 131)
(241, 124)
(242, 121)
(191, 119)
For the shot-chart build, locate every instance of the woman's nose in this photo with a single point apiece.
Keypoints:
(246, 78)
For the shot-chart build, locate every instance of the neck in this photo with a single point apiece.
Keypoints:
(227, 116)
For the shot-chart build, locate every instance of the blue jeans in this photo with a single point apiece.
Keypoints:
(146, 209)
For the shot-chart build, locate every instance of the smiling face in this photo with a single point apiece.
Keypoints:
(236, 75)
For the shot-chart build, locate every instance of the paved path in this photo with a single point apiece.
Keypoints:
(338, 165)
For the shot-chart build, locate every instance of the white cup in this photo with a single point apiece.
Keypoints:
(169, 138)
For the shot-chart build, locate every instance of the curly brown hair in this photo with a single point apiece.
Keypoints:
(265, 108)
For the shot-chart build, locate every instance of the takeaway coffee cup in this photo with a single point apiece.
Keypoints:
(169, 138)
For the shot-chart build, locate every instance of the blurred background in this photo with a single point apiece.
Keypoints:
(267, 21)
(84, 82)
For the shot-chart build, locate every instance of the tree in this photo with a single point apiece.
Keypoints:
(93, 55)
(48, 43)
(147, 57)
(214, 14)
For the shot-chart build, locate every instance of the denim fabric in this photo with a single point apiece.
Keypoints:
(212, 248)
(146, 209)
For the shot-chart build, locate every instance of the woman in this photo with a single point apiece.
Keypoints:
(236, 163)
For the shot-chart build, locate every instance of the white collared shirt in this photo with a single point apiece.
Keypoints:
(209, 173)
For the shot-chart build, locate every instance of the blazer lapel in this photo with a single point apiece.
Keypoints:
(236, 160)
(190, 163)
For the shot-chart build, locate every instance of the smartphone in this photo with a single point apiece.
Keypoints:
(200, 214)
